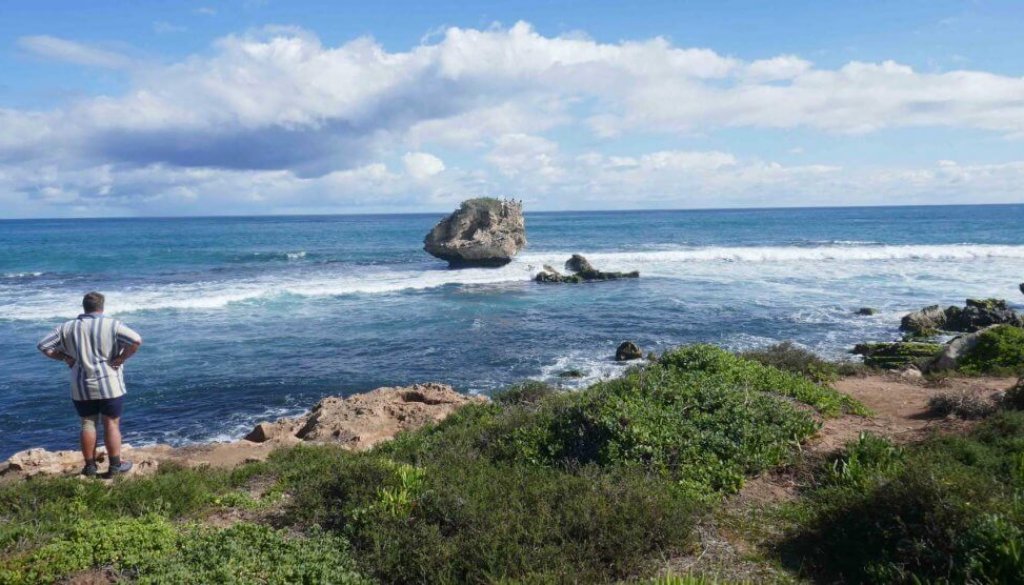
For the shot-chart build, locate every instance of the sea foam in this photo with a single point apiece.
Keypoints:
(718, 263)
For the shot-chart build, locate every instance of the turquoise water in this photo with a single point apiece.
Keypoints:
(246, 319)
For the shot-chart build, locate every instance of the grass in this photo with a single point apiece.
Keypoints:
(536, 486)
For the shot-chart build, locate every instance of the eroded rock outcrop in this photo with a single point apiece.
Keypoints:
(898, 354)
(481, 232)
(363, 420)
(582, 271)
(358, 422)
(974, 316)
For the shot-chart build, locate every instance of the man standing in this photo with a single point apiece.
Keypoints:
(95, 347)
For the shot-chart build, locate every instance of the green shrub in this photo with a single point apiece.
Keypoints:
(529, 392)
(31, 511)
(899, 354)
(999, 350)
(150, 549)
(864, 462)
(748, 374)
(473, 521)
(948, 510)
(790, 357)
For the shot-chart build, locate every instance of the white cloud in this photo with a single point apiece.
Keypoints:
(294, 124)
(421, 165)
(59, 49)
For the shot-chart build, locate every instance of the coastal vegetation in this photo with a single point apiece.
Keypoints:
(947, 510)
(541, 485)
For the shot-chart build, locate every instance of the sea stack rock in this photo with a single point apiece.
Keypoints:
(481, 232)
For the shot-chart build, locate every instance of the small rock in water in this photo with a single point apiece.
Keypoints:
(867, 311)
(583, 272)
(577, 263)
(628, 350)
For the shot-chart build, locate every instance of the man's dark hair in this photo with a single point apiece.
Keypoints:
(92, 302)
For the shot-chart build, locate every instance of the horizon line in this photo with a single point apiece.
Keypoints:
(400, 213)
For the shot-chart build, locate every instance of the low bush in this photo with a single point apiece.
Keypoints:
(151, 549)
(789, 357)
(1014, 397)
(748, 374)
(948, 510)
(999, 350)
(966, 405)
(474, 521)
(529, 392)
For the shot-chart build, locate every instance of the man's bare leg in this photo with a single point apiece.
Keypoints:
(111, 436)
(88, 440)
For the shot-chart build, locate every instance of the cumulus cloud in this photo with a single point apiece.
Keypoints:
(291, 123)
(421, 165)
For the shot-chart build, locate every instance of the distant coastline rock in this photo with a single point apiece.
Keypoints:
(974, 316)
(627, 351)
(481, 232)
(582, 270)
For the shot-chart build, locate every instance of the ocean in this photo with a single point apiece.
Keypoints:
(249, 319)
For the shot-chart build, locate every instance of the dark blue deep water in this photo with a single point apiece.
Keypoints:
(246, 319)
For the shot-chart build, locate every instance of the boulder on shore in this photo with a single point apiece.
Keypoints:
(582, 270)
(481, 232)
(628, 350)
(363, 420)
(974, 316)
(955, 350)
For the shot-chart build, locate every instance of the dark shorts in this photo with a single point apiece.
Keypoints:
(108, 407)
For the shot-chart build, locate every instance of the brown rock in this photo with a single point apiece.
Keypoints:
(280, 430)
(363, 420)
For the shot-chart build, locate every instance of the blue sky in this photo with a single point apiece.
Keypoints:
(128, 108)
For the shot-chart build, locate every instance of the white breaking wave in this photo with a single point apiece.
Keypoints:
(845, 252)
(296, 255)
(819, 264)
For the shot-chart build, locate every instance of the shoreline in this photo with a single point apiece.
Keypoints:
(360, 421)
(356, 422)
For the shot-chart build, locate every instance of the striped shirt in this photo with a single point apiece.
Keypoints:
(93, 340)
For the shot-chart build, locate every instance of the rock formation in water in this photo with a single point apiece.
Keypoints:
(976, 315)
(628, 350)
(481, 232)
(582, 271)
